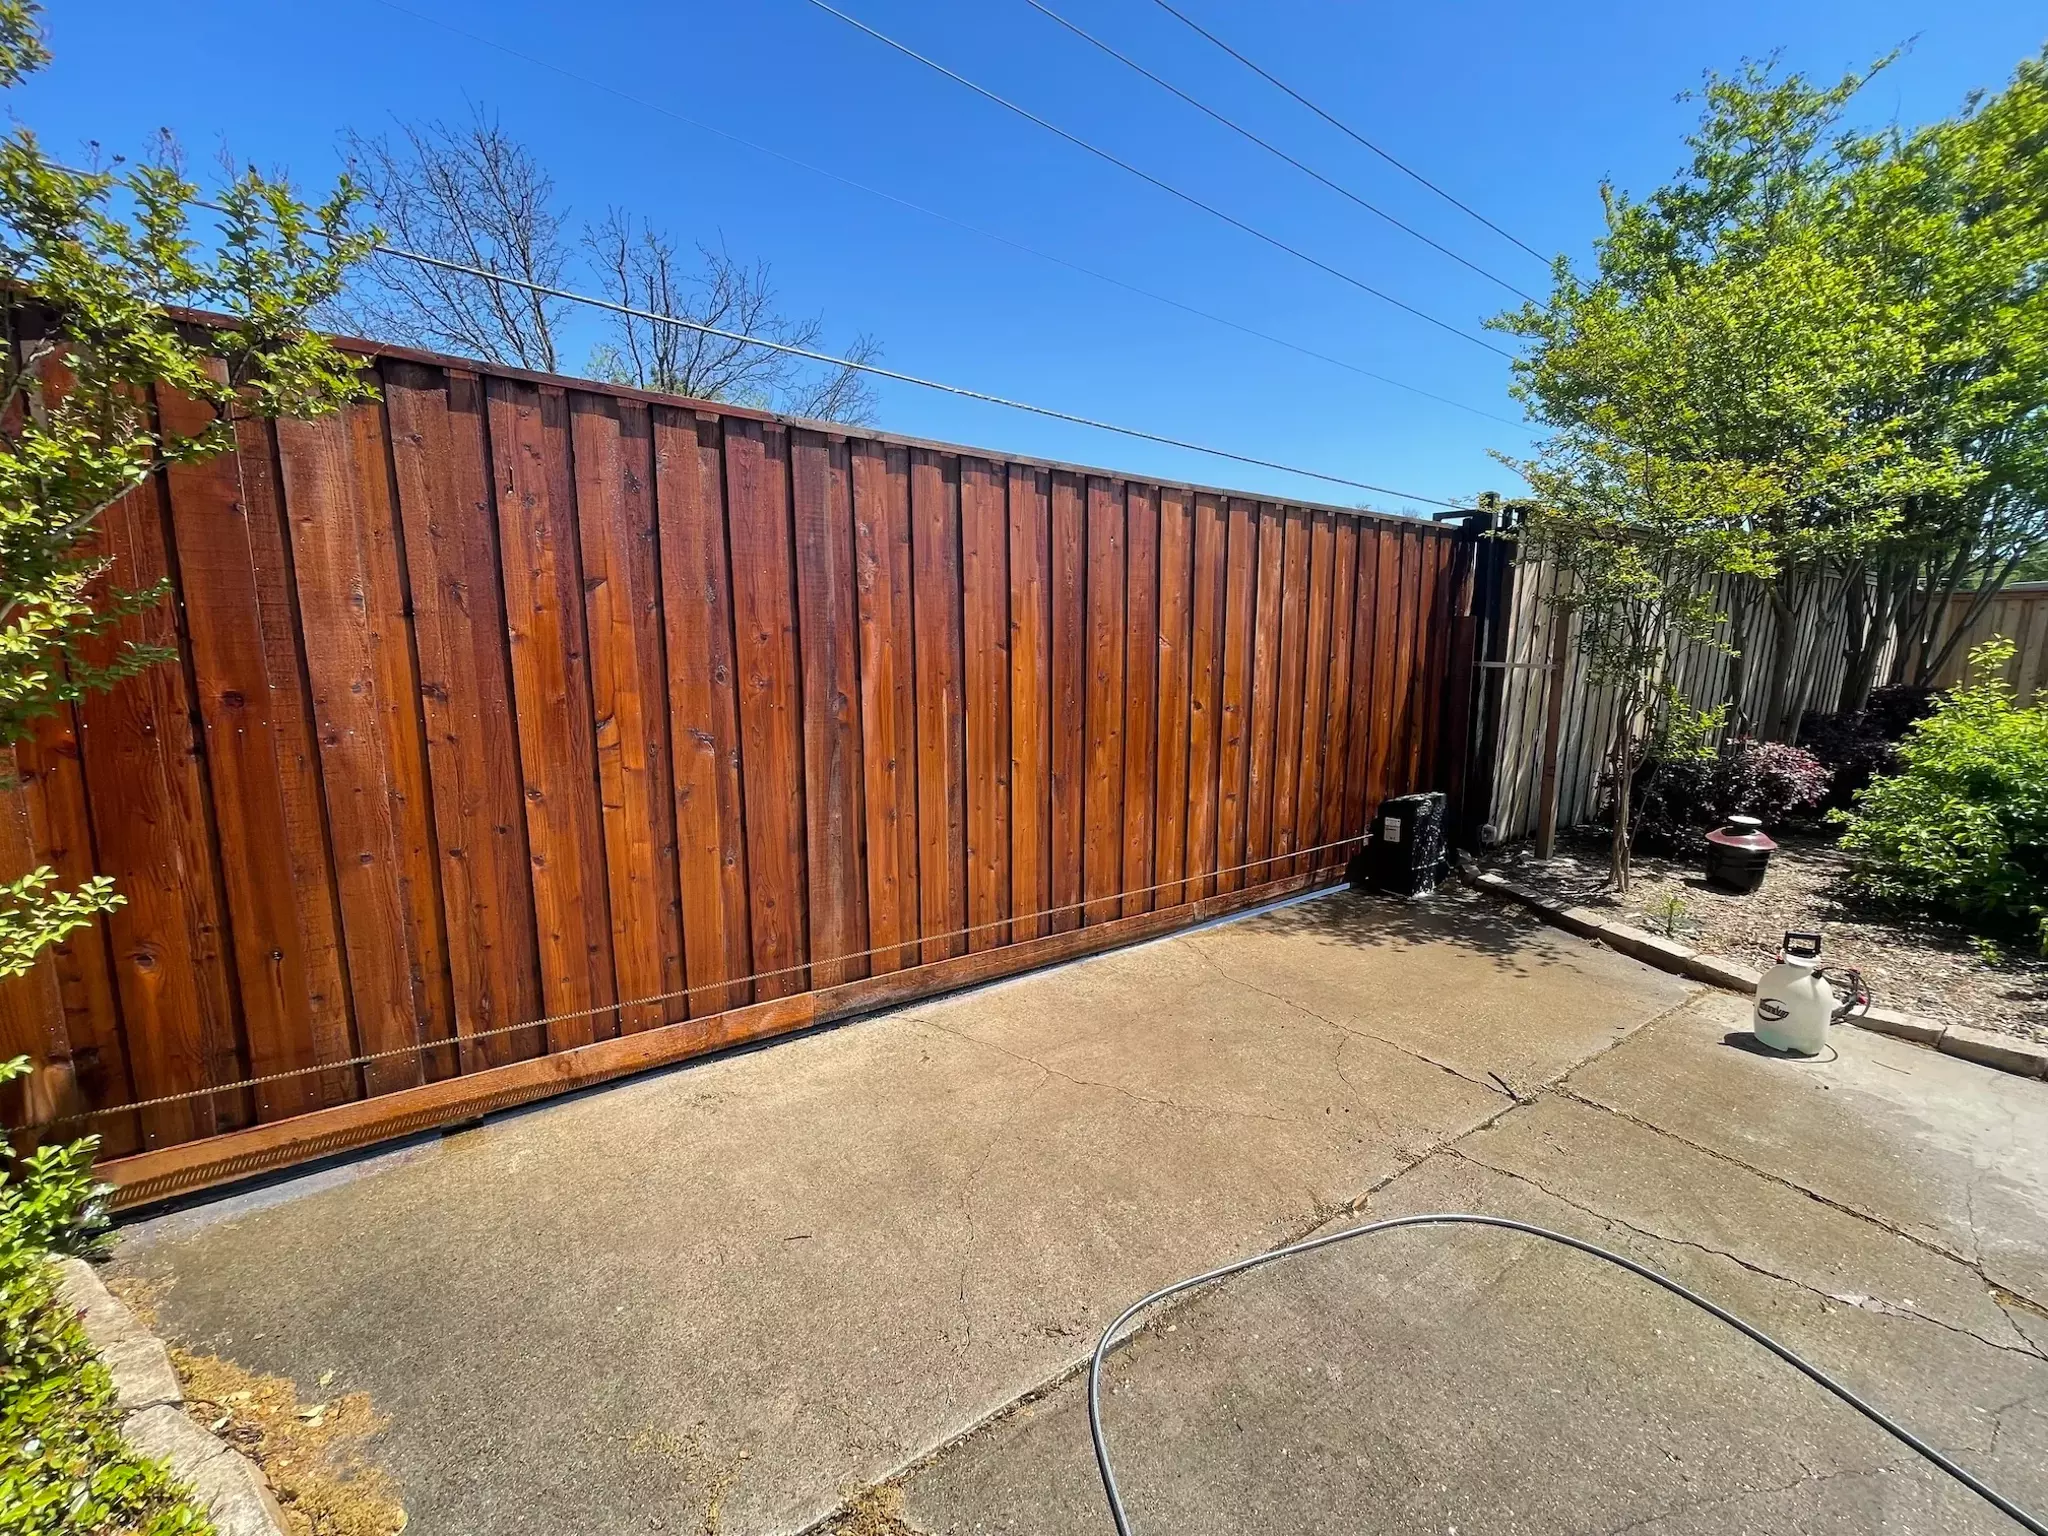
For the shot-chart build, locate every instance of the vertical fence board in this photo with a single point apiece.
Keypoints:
(1315, 691)
(828, 623)
(442, 474)
(1365, 662)
(1387, 665)
(985, 619)
(31, 1001)
(1031, 718)
(1141, 697)
(395, 664)
(1331, 824)
(287, 968)
(1205, 690)
(1267, 623)
(530, 455)
(149, 834)
(615, 515)
(696, 582)
(1233, 796)
(1288, 722)
(343, 616)
(50, 765)
(771, 726)
(881, 522)
(1069, 696)
(1171, 778)
(941, 722)
(1408, 755)
(1103, 858)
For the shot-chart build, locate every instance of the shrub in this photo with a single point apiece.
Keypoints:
(1857, 745)
(1682, 797)
(64, 1468)
(1963, 824)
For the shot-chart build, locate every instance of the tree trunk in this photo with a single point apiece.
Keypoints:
(1624, 783)
(1988, 589)
(1932, 652)
(1784, 647)
(1882, 618)
(1741, 606)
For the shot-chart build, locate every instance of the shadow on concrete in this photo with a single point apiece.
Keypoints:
(1455, 914)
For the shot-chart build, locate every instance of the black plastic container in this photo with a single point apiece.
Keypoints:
(1738, 853)
(1406, 854)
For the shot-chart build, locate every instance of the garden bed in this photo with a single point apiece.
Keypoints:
(1913, 963)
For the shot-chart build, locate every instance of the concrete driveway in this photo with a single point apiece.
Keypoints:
(737, 1296)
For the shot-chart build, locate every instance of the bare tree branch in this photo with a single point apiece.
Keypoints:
(640, 266)
(469, 194)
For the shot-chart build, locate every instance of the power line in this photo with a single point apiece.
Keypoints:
(1165, 186)
(1347, 129)
(1275, 150)
(945, 218)
(880, 372)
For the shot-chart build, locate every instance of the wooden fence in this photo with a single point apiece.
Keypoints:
(1819, 635)
(526, 732)
(2019, 614)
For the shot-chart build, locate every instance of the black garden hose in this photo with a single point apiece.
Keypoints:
(1449, 1219)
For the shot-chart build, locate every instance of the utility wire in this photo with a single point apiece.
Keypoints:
(1275, 150)
(945, 218)
(880, 372)
(1346, 129)
(1165, 186)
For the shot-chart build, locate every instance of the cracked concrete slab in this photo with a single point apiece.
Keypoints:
(1947, 1151)
(723, 1295)
(1484, 1382)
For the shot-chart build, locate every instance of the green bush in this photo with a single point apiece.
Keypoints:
(1963, 824)
(64, 1468)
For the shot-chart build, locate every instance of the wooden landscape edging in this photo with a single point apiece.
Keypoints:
(149, 1177)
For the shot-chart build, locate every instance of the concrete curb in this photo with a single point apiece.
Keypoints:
(2006, 1053)
(228, 1484)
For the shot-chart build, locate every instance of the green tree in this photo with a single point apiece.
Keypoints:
(1953, 222)
(1731, 333)
(98, 263)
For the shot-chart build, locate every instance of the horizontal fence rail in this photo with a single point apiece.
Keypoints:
(525, 732)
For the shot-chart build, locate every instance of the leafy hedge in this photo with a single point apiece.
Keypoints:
(64, 1468)
(1963, 824)
(1682, 796)
(1858, 745)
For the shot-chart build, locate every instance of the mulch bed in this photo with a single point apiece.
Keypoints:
(1915, 963)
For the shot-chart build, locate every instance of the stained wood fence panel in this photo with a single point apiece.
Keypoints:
(521, 724)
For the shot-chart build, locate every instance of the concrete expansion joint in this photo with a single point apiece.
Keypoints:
(1874, 1304)
(1999, 1288)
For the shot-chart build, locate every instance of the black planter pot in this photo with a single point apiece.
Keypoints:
(1738, 853)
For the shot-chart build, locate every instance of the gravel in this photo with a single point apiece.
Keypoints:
(1914, 963)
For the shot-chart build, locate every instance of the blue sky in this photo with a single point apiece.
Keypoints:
(1520, 110)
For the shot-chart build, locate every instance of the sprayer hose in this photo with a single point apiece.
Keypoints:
(1451, 1218)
